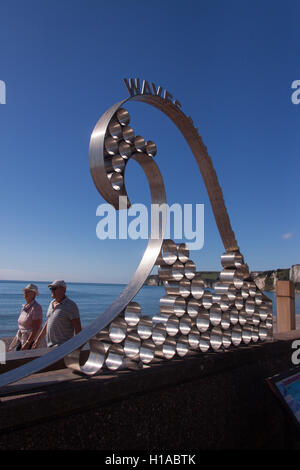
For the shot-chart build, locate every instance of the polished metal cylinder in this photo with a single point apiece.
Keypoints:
(111, 145)
(203, 320)
(115, 129)
(262, 332)
(116, 180)
(238, 281)
(239, 302)
(223, 288)
(171, 273)
(115, 163)
(103, 338)
(269, 322)
(181, 288)
(193, 307)
(166, 350)
(160, 318)
(172, 325)
(117, 330)
(144, 327)
(168, 254)
(151, 149)
(227, 275)
(245, 291)
(258, 298)
(216, 338)
(207, 300)
(236, 335)
(172, 304)
(256, 320)
(269, 307)
(225, 303)
(159, 334)
(183, 253)
(197, 288)
(225, 321)
(96, 359)
(194, 338)
(182, 346)
(252, 288)
(132, 314)
(125, 150)
(247, 334)
(132, 345)
(123, 116)
(128, 134)
(216, 298)
(226, 339)
(232, 260)
(165, 273)
(185, 324)
(215, 315)
(250, 306)
(233, 315)
(147, 351)
(255, 336)
(189, 269)
(140, 144)
(242, 317)
(115, 357)
(204, 343)
(263, 312)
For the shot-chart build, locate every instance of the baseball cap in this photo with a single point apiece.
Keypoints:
(32, 287)
(58, 283)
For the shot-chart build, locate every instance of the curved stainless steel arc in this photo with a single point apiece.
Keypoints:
(70, 349)
(194, 140)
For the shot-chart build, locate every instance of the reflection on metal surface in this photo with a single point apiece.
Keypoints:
(182, 346)
(132, 345)
(139, 143)
(192, 317)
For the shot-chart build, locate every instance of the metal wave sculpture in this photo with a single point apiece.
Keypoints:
(191, 318)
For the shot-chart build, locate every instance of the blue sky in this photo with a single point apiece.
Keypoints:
(230, 64)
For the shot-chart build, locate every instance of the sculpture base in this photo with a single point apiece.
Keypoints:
(205, 401)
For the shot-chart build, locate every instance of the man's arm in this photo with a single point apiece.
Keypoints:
(40, 336)
(77, 325)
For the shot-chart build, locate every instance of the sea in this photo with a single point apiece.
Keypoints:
(92, 300)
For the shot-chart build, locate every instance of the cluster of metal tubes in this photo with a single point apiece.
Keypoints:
(191, 317)
(120, 144)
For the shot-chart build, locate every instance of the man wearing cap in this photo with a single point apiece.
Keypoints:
(63, 318)
(29, 321)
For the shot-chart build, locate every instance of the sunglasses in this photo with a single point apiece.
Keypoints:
(53, 288)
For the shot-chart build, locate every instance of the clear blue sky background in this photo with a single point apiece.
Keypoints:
(230, 64)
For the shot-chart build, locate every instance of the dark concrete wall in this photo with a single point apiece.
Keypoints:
(211, 401)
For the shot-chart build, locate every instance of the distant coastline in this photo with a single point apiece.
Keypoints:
(265, 280)
(69, 282)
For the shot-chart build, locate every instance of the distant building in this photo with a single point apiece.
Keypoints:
(295, 273)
